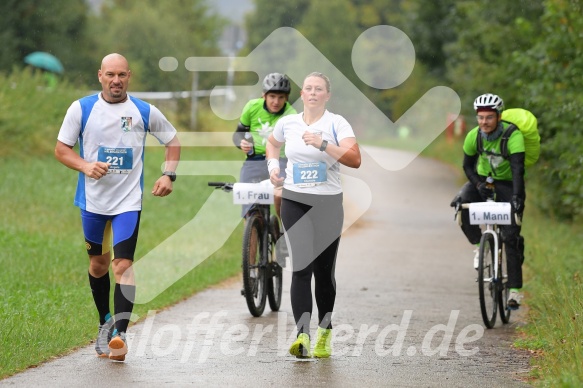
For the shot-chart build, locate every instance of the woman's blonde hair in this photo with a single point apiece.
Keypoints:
(320, 75)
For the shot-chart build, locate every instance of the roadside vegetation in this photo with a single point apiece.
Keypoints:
(528, 52)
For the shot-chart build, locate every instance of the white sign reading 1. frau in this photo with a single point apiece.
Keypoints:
(490, 213)
(249, 193)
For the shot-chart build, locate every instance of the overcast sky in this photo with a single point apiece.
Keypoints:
(234, 10)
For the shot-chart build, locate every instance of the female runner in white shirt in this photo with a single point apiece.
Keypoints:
(317, 141)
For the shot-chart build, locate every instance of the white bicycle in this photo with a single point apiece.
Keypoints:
(492, 271)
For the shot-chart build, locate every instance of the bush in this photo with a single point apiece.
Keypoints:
(551, 87)
(32, 112)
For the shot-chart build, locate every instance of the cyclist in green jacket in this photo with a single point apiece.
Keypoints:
(508, 177)
(258, 120)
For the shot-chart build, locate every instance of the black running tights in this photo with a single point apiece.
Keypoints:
(312, 224)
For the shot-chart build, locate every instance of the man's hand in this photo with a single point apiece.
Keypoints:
(517, 204)
(246, 146)
(96, 170)
(162, 187)
(485, 192)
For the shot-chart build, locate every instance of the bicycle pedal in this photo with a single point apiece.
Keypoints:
(243, 292)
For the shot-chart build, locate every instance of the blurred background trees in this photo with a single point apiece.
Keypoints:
(530, 52)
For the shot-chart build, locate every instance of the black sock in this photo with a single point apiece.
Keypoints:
(123, 305)
(100, 289)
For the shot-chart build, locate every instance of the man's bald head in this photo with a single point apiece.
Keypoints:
(114, 77)
(114, 59)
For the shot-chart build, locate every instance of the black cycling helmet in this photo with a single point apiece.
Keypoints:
(276, 82)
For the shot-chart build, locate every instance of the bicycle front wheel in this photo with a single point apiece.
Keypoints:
(487, 286)
(254, 266)
(275, 277)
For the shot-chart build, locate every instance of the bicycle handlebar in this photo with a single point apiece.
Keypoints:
(221, 185)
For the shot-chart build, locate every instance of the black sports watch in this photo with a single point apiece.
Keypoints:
(324, 145)
(170, 174)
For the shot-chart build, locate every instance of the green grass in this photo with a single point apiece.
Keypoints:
(553, 284)
(555, 291)
(46, 305)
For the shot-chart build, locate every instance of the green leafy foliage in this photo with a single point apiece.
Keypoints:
(32, 112)
(486, 39)
(145, 31)
(58, 27)
(554, 65)
(273, 15)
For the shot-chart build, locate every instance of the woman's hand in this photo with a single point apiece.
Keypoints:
(275, 178)
(313, 138)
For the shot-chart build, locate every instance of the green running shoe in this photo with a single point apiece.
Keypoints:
(323, 347)
(301, 346)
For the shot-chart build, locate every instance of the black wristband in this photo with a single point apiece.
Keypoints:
(170, 174)
(324, 145)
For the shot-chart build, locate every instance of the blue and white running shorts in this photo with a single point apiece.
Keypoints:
(100, 230)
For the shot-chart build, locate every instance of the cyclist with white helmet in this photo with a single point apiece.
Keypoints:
(483, 157)
(258, 119)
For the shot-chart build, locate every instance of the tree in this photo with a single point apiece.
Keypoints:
(149, 30)
(332, 28)
(270, 15)
(487, 38)
(429, 24)
(550, 81)
(37, 25)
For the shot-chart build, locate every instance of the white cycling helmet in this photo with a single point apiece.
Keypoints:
(490, 101)
(276, 82)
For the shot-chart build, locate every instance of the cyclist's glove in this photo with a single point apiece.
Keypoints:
(456, 201)
(485, 192)
(517, 204)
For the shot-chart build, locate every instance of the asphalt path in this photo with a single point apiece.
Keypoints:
(407, 310)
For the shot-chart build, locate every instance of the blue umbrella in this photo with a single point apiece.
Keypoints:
(44, 61)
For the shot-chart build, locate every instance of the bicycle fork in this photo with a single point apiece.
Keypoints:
(490, 230)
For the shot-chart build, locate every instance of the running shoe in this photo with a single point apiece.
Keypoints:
(301, 346)
(323, 347)
(118, 347)
(514, 298)
(103, 337)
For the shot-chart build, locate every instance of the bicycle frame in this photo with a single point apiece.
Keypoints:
(265, 213)
(494, 231)
(492, 278)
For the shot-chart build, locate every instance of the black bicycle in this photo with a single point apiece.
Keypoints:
(262, 274)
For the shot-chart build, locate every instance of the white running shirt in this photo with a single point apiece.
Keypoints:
(289, 129)
(119, 130)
